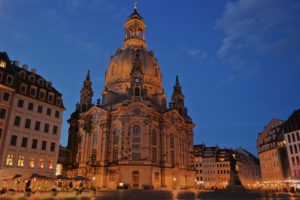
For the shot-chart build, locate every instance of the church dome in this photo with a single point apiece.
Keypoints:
(118, 74)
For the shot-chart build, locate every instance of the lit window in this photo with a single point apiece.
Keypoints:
(41, 163)
(21, 161)
(31, 162)
(10, 160)
(2, 64)
(50, 164)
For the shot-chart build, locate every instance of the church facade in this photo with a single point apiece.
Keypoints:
(132, 136)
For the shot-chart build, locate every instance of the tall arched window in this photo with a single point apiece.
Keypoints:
(154, 137)
(116, 136)
(172, 140)
(95, 140)
(136, 139)
(137, 91)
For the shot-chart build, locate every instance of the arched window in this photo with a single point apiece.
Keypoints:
(172, 140)
(136, 132)
(130, 33)
(154, 137)
(137, 91)
(116, 136)
(140, 34)
(95, 140)
(136, 139)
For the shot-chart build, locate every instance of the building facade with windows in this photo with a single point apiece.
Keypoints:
(31, 112)
(131, 136)
(213, 167)
(271, 147)
(292, 138)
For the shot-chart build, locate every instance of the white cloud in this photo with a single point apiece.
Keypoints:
(260, 26)
(256, 29)
(194, 53)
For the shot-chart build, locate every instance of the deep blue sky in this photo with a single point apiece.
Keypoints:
(238, 61)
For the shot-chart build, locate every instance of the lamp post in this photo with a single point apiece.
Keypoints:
(174, 183)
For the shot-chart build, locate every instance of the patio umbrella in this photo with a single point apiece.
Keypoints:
(63, 178)
(17, 176)
(81, 178)
(38, 176)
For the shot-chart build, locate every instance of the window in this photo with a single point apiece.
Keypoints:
(24, 142)
(34, 144)
(156, 177)
(55, 132)
(2, 64)
(31, 162)
(173, 157)
(52, 147)
(50, 164)
(295, 148)
(41, 163)
(136, 133)
(44, 145)
(0, 133)
(17, 121)
(27, 123)
(95, 140)
(135, 156)
(298, 136)
(21, 161)
(115, 154)
(50, 98)
(57, 114)
(49, 112)
(154, 155)
(9, 80)
(5, 96)
(172, 140)
(30, 106)
(13, 140)
(37, 125)
(2, 113)
(33, 91)
(137, 111)
(23, 89)
(154, 137)
(20, 103)
(10, 160)
(46, 128)
(42, 95)
(116, 136)
(58, 101)
(40, 109)
(137, 91)
(291, 149)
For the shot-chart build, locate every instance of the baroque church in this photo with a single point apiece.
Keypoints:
(132, 136)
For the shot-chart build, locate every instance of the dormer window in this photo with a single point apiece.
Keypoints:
(23, 88)
(58, 101)
(41, 82)
(32, 91)
(9, 80)
(22, 75)
(31, 78)
(2, 64)
(42, 94)
(50, 98)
